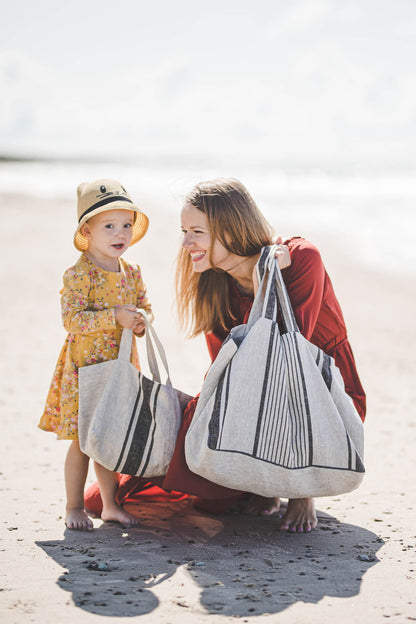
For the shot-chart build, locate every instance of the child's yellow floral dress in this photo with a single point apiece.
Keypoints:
(89, 298)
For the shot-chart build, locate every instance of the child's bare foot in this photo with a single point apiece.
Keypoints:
(300, 516)
(261, 505)
(118, 514)
(77, 518)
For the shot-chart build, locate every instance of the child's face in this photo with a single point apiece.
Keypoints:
(109, 233)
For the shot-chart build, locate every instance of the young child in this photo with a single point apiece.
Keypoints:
(100, 296)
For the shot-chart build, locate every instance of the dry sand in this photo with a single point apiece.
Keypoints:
(180, 565)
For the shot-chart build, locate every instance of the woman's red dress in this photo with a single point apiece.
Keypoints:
(320, 320)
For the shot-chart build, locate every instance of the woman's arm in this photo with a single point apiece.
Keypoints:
(305, 281)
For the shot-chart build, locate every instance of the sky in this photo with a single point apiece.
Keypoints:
(295, 81)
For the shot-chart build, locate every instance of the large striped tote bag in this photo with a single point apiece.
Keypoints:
(128, 422)
(273, 417)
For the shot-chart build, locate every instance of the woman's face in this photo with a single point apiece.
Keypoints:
(197, 241)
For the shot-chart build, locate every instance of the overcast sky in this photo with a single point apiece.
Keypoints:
(297, 80)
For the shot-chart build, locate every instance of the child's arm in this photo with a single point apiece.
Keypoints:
(142, 302)
(76, 316)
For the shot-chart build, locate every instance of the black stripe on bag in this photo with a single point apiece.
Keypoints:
(144, 425)
(359, 466)
(214, 422)
(272, 438)
(150, 448)
(326, 370)
(283, 427)
(269, 436)
(283, 434)
(262, 261)
(270, 312)
(264, 391)
(282, 323)
(349, 451)
(297, 413)
(145, 422)
(132, 417)
(292, 315)
(226, 392)
(306, 401)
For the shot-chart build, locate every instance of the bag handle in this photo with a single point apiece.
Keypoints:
(257, 309)
(152, 344)
(276, 295)
(152, 340)
(284, 300)
(272, 296)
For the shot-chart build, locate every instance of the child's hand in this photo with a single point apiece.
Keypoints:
(127, 316)
(140, 326)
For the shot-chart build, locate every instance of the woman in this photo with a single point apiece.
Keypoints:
(223, 233)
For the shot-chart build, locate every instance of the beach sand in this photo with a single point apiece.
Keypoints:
(180, 565)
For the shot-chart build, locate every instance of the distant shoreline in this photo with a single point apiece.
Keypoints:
(185, 160)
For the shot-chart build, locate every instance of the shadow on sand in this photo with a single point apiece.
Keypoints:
(242, 564)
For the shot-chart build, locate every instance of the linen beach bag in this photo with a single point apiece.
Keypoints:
(127, 422)
(273, 417)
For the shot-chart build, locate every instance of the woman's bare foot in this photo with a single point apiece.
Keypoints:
(77, 518)
(300, 516)
(261, 506)
(118, 514)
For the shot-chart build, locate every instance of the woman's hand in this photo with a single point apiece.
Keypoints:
(283, 258)
(282, 254)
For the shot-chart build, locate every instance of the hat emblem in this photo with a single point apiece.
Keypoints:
(117, 193)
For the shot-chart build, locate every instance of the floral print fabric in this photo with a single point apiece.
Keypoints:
(88, 300)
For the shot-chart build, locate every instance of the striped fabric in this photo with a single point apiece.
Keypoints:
(139, 438)
(128, 422)
(273, 417)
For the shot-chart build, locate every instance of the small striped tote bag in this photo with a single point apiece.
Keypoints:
(273, 417)
(127, 422)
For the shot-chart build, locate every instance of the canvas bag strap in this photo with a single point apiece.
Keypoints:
(262, 300)
(124, 350)
(274, 296)
(263, 261)
(152, 342)
(151, 336)
(270, 299)
(282, 296)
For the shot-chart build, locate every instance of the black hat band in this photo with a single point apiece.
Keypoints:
(103, 202)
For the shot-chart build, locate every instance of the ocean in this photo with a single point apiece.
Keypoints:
(370, 215)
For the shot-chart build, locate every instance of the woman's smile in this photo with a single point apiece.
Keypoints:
(197, 255)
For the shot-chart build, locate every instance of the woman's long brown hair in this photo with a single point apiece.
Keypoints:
(234, 219)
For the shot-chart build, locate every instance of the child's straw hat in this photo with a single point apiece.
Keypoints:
(99, 196)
